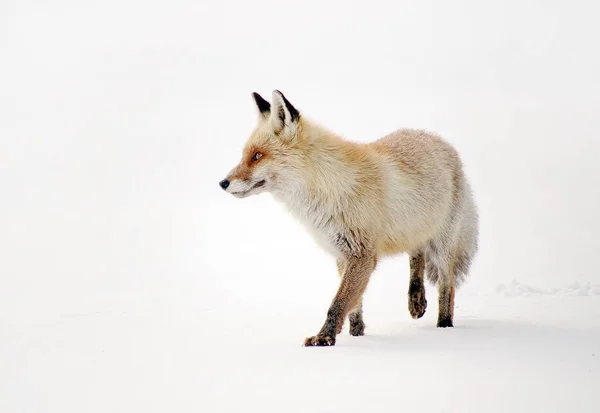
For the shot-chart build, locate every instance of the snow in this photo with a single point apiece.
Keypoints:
(181, 354)
(515, 288)
(130, 282)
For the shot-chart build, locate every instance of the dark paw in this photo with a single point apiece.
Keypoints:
(417, 304)
(319, 341)
(357, 328)
(357, 325)
(444, 322)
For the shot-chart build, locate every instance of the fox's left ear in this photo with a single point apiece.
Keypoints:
(284, 117)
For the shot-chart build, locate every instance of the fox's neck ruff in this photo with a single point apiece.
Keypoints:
(319, 191)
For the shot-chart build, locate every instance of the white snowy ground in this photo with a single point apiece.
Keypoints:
(129, 282)
(516, 355)
(180, 353)
(226, 337)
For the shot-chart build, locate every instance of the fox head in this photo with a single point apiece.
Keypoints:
(270, 157)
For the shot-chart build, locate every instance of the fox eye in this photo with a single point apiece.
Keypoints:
(256, 156)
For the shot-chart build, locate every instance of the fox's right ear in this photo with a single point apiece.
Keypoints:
(264, 107)
(284, 118)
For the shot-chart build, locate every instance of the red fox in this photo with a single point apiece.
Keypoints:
(403, 193)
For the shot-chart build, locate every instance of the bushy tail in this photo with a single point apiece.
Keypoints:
(468, 245)
(461, 269)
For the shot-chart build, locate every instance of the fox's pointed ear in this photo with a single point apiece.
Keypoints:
(264, 107)
(284, 116)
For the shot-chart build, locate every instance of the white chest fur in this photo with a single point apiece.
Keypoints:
(316, 218)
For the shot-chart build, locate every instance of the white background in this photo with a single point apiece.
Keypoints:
(118, 119)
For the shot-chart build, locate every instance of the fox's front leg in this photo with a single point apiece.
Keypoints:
(357, 325)
(356, 276)
(417, 303)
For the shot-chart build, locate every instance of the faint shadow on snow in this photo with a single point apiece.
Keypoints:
(476, 338)
(516, 288)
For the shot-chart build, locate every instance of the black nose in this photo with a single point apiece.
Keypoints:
(224, 183)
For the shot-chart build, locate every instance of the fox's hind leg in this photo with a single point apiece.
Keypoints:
(441, 271)
(357, 325)
(446, 291)
(416, 287)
